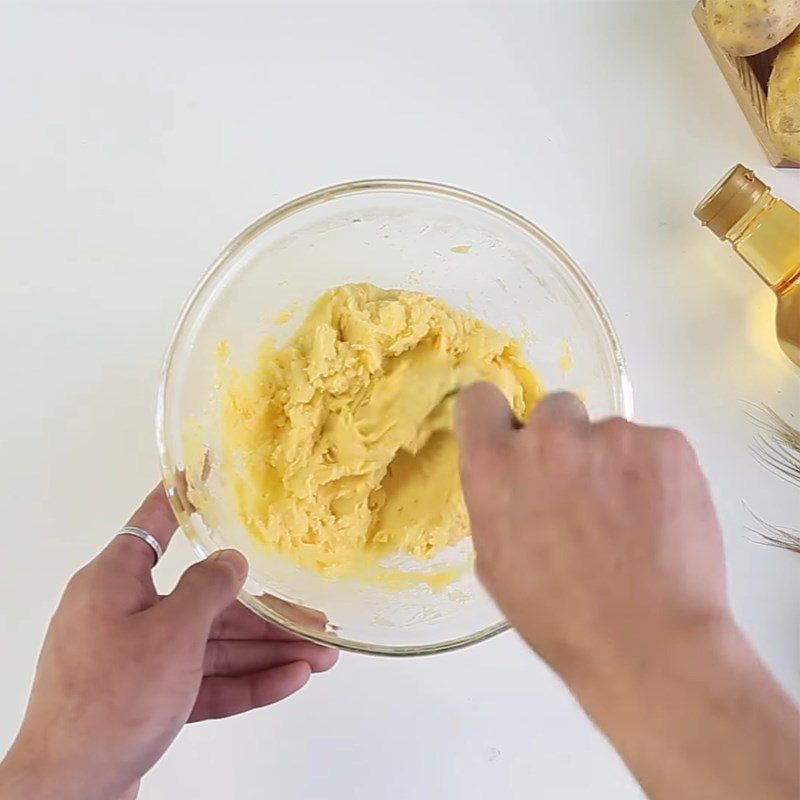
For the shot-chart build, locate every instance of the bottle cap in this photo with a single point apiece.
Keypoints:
(725, 205)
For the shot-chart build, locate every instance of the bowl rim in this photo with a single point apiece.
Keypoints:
(272, 218)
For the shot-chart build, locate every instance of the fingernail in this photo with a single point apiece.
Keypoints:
(232, 559)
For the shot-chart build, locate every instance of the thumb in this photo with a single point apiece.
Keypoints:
(204, 591)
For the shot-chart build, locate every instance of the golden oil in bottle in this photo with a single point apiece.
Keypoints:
(765, 233)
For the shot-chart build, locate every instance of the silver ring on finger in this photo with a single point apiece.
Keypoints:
(145, 537)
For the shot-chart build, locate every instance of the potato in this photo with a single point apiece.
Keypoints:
(783, 98)
(747, 27)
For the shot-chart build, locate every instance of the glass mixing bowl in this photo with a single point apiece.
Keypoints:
(475, 255)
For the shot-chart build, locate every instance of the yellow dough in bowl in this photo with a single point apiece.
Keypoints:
(338, 450)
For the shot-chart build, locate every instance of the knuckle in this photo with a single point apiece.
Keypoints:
(673, 446)
(481, 462)
(616, 431)
(210, 577)
(86, 596)
(79, 583)
(557, 443)
(196, 573)
(204, 572)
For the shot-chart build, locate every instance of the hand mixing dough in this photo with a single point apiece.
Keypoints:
(338, 449)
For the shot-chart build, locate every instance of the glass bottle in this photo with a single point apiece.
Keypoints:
(765, 233)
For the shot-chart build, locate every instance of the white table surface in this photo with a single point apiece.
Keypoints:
(137, 138)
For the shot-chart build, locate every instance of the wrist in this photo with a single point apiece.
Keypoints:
(691, 654)
(23, 779)
(28, 775)
(698, 714)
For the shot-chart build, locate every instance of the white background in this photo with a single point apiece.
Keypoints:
(136, 139)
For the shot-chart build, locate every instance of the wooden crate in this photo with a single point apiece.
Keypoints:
(747, 78)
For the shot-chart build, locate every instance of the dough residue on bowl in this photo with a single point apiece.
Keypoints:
(337, 449)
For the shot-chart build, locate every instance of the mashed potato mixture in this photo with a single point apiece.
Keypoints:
(338, 449)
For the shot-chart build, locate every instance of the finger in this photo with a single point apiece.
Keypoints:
(128, 553)
(237, 621)
(300, 615)
(223, 697)
(120, 573)
(484, 423)
(483, 417)
(243, 657)
(202, 593)
(559, 407)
